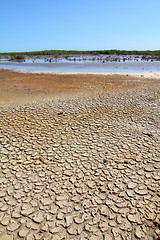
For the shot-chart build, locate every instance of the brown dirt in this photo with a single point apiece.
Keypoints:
(19, 87)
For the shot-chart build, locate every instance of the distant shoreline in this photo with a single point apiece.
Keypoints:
(92, 52)
(112, 64)
(142, 75)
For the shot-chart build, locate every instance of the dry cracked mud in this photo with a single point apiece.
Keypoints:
(81, 167)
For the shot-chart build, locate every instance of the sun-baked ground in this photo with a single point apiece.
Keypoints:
(79, 157)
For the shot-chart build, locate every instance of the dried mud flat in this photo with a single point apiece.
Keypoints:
(81, 166)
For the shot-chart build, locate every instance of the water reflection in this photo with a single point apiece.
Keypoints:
(86, 64)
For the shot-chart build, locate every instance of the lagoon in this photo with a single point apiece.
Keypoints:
(63, 65)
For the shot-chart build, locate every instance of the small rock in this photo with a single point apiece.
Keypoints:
(26, 206)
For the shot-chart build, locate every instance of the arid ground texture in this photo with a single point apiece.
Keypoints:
(79, 157)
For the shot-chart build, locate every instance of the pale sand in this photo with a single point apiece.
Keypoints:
(138, 74)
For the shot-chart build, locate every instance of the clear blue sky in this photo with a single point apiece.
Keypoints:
(30, 25)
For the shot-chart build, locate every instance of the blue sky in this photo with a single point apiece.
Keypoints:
(30, 25)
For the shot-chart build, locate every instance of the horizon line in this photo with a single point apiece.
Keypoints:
(91, 50)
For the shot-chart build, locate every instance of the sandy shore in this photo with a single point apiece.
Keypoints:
(79, 157)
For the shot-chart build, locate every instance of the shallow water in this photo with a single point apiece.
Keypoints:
(64, 66)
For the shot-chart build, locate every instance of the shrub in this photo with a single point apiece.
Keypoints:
(17, 57)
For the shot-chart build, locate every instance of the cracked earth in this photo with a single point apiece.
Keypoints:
(81, 167)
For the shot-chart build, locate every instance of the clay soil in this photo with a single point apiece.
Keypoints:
(19, 87)
(84, 166)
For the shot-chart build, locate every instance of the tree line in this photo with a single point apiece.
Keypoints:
(90, 52)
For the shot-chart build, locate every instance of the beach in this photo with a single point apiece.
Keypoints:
(80, 156)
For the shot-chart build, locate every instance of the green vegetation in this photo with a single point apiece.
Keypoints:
(73, 52)
(18, 57)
